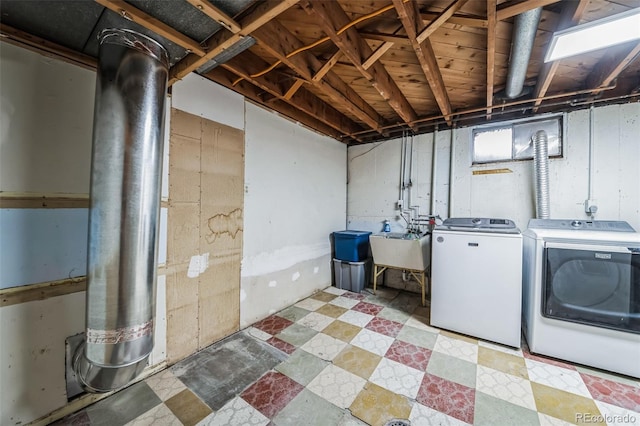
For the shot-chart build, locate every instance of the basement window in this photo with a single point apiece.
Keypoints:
(512, 141)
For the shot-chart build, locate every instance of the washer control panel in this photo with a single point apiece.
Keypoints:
(580, 224)
(479, 222)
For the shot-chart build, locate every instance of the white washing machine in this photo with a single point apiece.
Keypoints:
(476, 278)
(581, 295)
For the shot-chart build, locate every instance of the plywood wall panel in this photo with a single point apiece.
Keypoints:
(185, 124)
(182, 316)
(205, 233)
(219, 302)
(183, 239)
(184, 179)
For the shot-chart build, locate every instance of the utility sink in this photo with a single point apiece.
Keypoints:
(401, 250)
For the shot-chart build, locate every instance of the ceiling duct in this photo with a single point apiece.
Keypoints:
(236, 48)
(124, 212)
(524, 34)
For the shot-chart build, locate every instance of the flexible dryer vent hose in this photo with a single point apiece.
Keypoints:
(541, 166)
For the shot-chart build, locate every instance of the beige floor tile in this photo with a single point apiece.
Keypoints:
(324, 297)
(332, 311)
(564, 405)
(342, 330)
(357, 361)
(188, 407)
(501, 361)
(376, 405)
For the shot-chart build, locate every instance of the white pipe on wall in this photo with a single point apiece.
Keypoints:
(433, 172)
(451, 164)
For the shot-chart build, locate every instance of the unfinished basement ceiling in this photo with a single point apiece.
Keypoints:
(355, 70)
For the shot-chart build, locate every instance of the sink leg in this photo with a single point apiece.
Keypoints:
(375, 277)
(423, 284)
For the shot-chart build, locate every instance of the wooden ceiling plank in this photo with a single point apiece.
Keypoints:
(136, 15)
(264, 12)
(250, 64)
(610, 66)
(428, 17)
(331, 18)
(512, 8)
(22, 39)
(437, 23)
(279, 41)
(319, 75)
(570, 16)
(410, 17)
(217, 15)
(377, 54)
(491, 52)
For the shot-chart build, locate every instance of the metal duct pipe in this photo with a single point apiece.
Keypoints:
(541, 166)
(124, 213)
(524, 33)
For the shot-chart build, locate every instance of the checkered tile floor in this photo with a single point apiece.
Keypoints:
(353, 359)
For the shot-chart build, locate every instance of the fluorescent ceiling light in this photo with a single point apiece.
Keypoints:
(595, 35)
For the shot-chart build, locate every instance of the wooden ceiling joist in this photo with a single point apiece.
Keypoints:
(226, 79)
(331, 18)
(377, 54)
(264, 12)
(297, 84)
(414, 26)
(217, 15)
(468, 21)
(610, 66)
(252, 64)
(279, 41)
(136, 15)
(319, 75)
(570, 16)
(441, 19)
(512, 8)
(491, 52)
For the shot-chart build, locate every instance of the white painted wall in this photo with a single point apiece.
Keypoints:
(198, 96)
(374, 181)
(374, 171)
(46, 120)
(295, 196)
(615, 173)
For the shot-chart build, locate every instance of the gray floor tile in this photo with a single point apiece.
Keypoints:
(424, 339)
(220, 372)
(453, 369)
(293, 313)
(492, 411)
(302, 367)
(309, 409)
(394, 315)
(124, 406)
(406, 302)
(297, 334)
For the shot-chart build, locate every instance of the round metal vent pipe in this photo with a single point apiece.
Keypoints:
(524, 34)
(124, 212)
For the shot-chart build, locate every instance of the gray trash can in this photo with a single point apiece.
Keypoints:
(352, 276)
